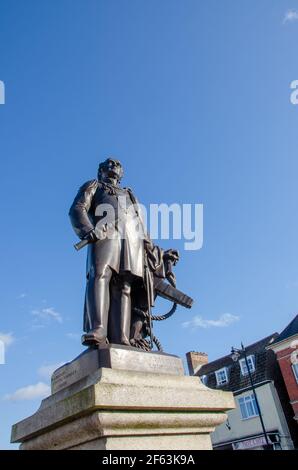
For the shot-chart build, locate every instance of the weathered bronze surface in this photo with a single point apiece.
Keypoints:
(125, 271)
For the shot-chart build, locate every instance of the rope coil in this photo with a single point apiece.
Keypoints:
(143, 343)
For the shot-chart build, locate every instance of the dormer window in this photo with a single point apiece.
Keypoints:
(251, 365)
(222, 376)
(204, 379)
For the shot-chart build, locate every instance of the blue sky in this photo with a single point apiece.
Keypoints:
(193, 96)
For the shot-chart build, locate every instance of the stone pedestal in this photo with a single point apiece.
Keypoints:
(122, 398)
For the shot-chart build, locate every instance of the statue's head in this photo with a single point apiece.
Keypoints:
(110, 168)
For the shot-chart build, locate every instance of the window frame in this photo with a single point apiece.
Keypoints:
(295, 371)
(204, 379)
(243, 367)
(242, 402)
(217, 372)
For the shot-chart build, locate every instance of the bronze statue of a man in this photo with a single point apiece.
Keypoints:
(121, 262)
(121, 253)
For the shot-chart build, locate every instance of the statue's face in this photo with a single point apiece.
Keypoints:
(112, 168)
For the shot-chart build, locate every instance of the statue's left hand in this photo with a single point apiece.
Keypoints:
(171, 255)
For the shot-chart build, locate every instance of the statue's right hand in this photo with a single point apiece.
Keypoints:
(96, 234)
(91, 236)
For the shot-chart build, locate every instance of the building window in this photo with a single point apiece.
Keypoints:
(248, 406)
(222, 376)
(204, 379)
(251, 365)
(295, 371)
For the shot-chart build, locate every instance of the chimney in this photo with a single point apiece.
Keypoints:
(195, 360)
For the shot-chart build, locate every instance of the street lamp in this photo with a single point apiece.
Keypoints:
(235, 355)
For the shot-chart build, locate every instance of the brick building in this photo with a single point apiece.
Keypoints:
(285, 347)
(243, 429)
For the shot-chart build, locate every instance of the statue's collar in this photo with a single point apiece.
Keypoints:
(109, 187)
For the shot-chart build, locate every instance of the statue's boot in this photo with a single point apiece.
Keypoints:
(94, 337)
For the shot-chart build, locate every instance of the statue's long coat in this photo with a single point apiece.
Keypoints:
(124, 250)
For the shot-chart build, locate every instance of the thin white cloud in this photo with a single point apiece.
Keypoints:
(47, 313)
(6, 338)
(47, 370)
(74, 336)
(223, 321)
(23, 295)
(37, 326)
(31, 392)
(290, 16)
